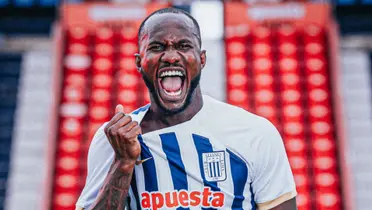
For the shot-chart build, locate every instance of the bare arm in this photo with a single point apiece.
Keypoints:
(115, 188)
(122, 134)
(287, 205)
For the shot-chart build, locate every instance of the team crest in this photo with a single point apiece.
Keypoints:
(214, 166)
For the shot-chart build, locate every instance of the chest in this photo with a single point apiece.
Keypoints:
(196, 163)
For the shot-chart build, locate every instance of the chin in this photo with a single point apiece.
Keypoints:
(172, 103)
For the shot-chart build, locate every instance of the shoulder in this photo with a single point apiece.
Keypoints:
(232, 116)
(99, 136)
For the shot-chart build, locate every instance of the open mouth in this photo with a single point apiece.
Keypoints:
(171, 82)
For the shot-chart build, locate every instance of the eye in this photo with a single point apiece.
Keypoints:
(156, 48)
(184, 46)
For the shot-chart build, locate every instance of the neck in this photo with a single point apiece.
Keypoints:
(157, 114)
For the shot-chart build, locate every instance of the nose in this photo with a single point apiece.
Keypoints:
(171, 56)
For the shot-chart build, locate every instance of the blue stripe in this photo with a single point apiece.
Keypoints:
(151, 182)
(128, 203)
(172, 151)
(133, 185)
(239, 172)
(252, 199)
(141, 109)
(203, 145)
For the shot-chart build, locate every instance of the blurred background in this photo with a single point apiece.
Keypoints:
(304, 65)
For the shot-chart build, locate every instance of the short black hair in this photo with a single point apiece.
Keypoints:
(174, 11)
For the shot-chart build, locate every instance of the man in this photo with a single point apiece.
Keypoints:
(185, 150)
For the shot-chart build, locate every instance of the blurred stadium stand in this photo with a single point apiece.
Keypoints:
(60, 82)
(10, 72)
(29, 161)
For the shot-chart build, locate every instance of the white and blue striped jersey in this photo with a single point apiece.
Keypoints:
(223, 158)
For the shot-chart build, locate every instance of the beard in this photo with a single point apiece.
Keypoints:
(151, 87)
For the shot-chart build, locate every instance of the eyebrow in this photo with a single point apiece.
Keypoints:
(180, 41)
(185, 41)
(156, 42)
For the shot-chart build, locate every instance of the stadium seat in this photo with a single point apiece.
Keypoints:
(99, 73)
(287, 82)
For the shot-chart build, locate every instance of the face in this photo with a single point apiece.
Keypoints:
(171, 60)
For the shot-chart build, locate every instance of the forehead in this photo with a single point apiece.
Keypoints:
(169, 26)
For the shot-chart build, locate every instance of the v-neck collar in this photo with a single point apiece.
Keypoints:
(140, 113)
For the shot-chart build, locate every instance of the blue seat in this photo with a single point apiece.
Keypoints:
(9, 83)
(4, 168)
(48, 3)
(23, 3)
(10, 68)
(2, 198)
(30, 26)
(8, 91)
(6, 132)
(346, 2)
(4, 158)
(4, 3)
(2, 184)
(368, 2)
(5, 147)
(10, 56)
(7, 116)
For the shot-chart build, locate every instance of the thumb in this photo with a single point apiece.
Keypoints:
(119, 108)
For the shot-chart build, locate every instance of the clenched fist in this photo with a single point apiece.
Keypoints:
(122, 134)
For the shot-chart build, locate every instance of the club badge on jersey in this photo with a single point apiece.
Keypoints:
(214, 166)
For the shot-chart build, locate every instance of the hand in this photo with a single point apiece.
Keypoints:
(122, 134)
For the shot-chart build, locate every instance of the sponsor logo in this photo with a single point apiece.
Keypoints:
(182, 198)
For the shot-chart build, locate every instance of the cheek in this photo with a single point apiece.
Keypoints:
(149, 63)
(192, 61)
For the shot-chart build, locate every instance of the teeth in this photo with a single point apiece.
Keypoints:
(174, 93)
(171, 73)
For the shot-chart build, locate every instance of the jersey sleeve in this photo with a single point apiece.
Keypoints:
(272, 181)
(100, 157)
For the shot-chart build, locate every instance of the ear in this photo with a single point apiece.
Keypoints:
(203, 58)
(138, 60)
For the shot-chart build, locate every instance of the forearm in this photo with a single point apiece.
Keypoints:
(115, 188)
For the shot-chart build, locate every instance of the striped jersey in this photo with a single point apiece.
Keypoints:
(223, 158)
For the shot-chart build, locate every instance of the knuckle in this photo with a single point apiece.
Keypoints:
(129, 118)
(137, 128)
(127, 135)
(107, 128)
(123, 133)
(113, 131)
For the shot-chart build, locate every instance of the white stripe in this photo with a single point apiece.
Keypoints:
(132, 203)
(247, 192)
(140, 180)
(163, 172)
(227, 185)
(191, 162)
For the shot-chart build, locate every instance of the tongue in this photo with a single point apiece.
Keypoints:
(171, 84)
